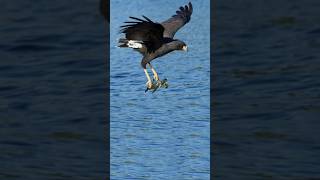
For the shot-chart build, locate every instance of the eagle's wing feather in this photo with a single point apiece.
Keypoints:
(173, 24)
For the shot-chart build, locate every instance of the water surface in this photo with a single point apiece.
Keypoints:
(164, 135)
(52, 86)
(267, 90)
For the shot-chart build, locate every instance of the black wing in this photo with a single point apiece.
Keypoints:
(144, 30)
(178, 20)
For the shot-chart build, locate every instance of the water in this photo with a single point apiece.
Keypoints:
(164, 135)
(267, 90)
(266, 95)
(52, 86)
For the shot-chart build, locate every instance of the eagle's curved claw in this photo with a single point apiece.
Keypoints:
(149, 84)
(154, 85)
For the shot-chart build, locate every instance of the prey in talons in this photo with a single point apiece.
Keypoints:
(154, 85)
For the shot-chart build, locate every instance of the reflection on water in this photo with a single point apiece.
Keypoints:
(164, 135)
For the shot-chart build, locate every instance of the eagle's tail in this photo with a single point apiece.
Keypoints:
(130, 43)
(123, 42)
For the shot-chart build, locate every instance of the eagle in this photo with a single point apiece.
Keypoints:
(154, 40)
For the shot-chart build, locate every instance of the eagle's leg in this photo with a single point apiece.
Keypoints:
(149, 83)
(155, 74)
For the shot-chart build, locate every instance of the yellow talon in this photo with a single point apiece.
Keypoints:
(149, 84)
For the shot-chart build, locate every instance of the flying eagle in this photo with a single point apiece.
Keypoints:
(153, 39)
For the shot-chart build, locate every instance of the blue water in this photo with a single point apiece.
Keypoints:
(52, 86)
(267, 90)
(164, 135)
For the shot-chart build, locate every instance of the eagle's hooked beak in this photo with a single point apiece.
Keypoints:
(185, 48)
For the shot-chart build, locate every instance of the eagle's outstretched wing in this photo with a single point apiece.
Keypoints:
(172, 25)
(150, 33)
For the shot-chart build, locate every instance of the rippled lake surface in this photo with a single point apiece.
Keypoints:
(52, 86)
(164, 135)
(267, 90)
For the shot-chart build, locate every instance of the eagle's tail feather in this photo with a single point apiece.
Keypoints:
(122, 42)
(130, 43)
